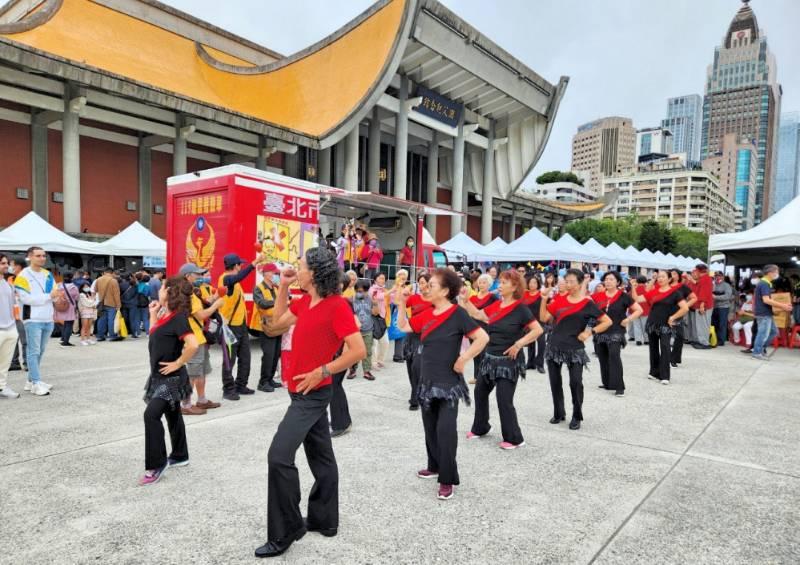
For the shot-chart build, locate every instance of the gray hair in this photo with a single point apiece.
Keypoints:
(770, 269)
(484, 277)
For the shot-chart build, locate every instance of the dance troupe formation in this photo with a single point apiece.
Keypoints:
(447, 328)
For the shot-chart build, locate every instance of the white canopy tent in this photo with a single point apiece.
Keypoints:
(462, 247)
(774, 240)
(32, 229)
(570, 250)
(601, 253)
(619, 254)
(533, 245)
(134, 241)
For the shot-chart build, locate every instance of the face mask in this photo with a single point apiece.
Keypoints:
(87, 291)
(754, 281)
(201, 281)
(360, 294)
(410, 244)
(276, 279)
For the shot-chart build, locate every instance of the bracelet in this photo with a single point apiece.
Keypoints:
(325, 372)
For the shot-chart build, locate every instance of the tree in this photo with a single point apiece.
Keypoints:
(690, 243)
(558, 176)
(624, 232)
(652, 236)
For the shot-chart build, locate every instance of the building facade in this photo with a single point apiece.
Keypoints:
(736, 167)
(666, 191)
(742, 96)
(684, 120)
(564, 192)
(603, 147)
(787, 181)
(653, 140)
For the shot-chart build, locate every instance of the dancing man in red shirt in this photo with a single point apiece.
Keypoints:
(323, 322)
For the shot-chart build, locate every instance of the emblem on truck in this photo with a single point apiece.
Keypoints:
(200, 243)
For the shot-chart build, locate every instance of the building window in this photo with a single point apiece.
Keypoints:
(158, 209)
(22, 193)
(58, 197)
(130, 206)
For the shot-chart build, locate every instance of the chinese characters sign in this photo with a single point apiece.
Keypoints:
(295, 207)
(438, 107)
(200, 205)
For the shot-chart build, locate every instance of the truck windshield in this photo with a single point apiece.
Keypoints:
(439, 259)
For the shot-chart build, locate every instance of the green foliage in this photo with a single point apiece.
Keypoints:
(558, 176)
(625, 232)
(690, 243)
(656, 237)
(649, 234)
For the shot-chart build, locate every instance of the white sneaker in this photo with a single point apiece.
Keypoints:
(664, 382)
(84, 342)
(29, 385)
(39, 389)
(93, 341)
(8, 392)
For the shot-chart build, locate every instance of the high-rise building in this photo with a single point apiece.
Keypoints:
(666, 190)
(653, 140)
(736, 167)
(787, 181)
(603, 147)
(742, 96)
(684, 122)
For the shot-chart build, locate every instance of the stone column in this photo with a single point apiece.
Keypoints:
(351, 160)
(261, 158)
(338, 165)
(71, 160)
(432, 182)
(179, 149)
(512, 230)
(39, 168)
(145, 185)
(458, 178)
(324, 166)
(401, 141)
(374, 152)
(488, 188)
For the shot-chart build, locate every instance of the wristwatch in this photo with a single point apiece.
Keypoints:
(325, 372)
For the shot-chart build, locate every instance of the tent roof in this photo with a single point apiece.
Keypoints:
(32, 229)
(497, 244)
(772, 240)
(533, 245)
(570, 249)
(462, 245)
(134, 241)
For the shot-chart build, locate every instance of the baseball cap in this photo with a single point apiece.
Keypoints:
(270, 268)
(191, 269)
(232, 259)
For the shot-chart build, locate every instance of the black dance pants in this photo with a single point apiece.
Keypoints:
(340, 410)
(610, 356)
(536, 353)
(413, 362)
(441, 439)
(240, 353)
(306, 424)
(155, 448)
(270, 355)
(659, 355)
(505, 406)
(575, 386)
(677, 344)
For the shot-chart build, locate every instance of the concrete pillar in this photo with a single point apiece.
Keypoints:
(145, 185)
(550, 226)
(458, 178)
(39, 169)
(261, 158)
(291, 165)
(512, 229)
(71, 160)
(488, 188)
(179, 149)
(374, 152)
(324, 166)
(401, 141)
(338, 165)
(351, 160)
(432, 181)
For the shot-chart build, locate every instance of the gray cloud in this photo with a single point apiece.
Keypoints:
(623, 57)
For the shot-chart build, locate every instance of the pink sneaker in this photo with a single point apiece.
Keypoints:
(152, 476)
(425, 474)
(507, 445)
(470, 435)
(446, 492)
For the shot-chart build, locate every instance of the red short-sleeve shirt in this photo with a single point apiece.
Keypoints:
(318, 334)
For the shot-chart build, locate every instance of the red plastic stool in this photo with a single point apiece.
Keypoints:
(794, 335)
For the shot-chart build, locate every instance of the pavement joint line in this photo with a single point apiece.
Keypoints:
(655, 487)
(742, 464)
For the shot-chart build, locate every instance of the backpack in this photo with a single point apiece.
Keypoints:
(61, 303)
(212, 329)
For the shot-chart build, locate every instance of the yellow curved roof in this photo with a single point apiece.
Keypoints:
(311, 95)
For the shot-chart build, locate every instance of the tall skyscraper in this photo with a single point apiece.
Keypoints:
(684, 122)
(744, 97)
(653, 140)
(787, 182)
(736, 167)
(603, 147)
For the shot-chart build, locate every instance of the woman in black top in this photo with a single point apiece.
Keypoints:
(571, 314)
(172, 344)
(615, 302)
(483, 299)
(667, 305)
(533, 299)
(511, 327)
(675, 279)
(441, 329)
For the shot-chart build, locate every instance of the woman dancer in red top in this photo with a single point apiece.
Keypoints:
(323, 322)
(533, 300)
(615, 303)
(571, 314)
(416, 304)
(481, 300)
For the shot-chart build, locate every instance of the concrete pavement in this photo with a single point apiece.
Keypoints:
(706, 470)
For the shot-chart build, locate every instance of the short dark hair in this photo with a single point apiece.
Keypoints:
(179, 294)
(4, 256)
(108, 269)
(614, 274)
(534, 277)
(423, 275)
(641, 279)
(32, 249)
(449, 279)
(325, 269)
(577, 273)
(362, 284)
(67, 277)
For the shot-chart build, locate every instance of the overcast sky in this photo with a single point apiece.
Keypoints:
(623, 57)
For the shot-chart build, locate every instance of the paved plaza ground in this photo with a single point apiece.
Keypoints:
(706, 470)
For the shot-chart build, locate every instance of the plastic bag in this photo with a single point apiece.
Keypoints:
(119, 325)
(712, 337)
(394, 331)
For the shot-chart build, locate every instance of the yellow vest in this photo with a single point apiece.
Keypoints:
(234, 318)
(198, 305)
(258, 313)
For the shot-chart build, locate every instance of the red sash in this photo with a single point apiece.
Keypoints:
(480, 303)
(529, 298)
(604, 302)
(656, 295)
(163, 320)
(436, 320)
(496, 312)
(564, 308)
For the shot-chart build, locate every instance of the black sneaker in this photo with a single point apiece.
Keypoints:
(351, 374)
(233, 395)
(66, 344)
(266, 387)
(413, 407)
(275, 384)
(244, 390)
(15, 367)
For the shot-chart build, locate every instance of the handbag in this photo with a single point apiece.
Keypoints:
(394, 332)
(378, 326)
